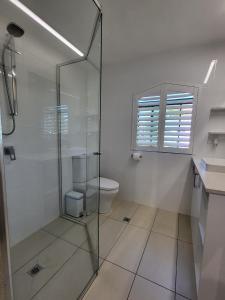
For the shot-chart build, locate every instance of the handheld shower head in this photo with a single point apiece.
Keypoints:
(15, 30)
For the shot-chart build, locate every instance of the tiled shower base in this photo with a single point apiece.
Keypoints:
(149, 258)
(65, 267)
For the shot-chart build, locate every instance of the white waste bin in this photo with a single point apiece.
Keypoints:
(74, 204)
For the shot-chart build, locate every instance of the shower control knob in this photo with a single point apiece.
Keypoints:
(10, 150)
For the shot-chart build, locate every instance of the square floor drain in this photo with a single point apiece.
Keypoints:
(35, 270)
(126, 219)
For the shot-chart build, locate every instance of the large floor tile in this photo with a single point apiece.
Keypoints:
(58, 226)
(159, 260)
(185, 271)
(128, 249)
(109, 232)
(28, 248)
(144, 217)
(51, 259)
(113, 283)
(124, 209)
(146, 290)
(185, 228)
(76, 235)
(166, 223)
(70, 281)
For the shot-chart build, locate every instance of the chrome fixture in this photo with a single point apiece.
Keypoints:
(9, 72)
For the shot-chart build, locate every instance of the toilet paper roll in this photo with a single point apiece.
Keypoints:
(136, 156)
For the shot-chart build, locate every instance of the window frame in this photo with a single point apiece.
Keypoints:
(163, 90)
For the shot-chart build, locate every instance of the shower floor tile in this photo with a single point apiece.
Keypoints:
(51, 260)
(58, 226)
(136, 262)
(29, 248)
(76, 235)
(69, 282)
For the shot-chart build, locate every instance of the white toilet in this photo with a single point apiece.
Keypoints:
(85, 181)
(108, 191)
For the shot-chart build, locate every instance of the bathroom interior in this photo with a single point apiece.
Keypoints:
(112, 150)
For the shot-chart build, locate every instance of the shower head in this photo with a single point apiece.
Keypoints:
(15, 30)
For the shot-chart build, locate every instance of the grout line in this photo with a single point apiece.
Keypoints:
(121, 267)
(172, 237)
(142, 255)
(54, 274)
(147, 279)
(45, 230)
(156, 283)
(116, 240)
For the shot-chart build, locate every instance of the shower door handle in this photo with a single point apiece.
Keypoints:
(97, 153)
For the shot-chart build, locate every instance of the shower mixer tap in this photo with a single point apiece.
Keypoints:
(10, 151)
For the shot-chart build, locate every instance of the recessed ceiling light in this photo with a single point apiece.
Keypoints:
(211, 66)
(37, 19)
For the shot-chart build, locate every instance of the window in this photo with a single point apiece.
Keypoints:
(164, 119)
(148, 120)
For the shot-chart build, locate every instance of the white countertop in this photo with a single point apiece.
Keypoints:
(214, 182)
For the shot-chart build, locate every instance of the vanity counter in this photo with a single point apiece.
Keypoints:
(214, 182)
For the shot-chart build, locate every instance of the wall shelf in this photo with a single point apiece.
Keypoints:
(216, 133)
(218, 109)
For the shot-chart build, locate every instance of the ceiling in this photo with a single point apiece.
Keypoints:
(136, 28)
(132, 29)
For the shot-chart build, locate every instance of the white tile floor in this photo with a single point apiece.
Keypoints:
(149, 258)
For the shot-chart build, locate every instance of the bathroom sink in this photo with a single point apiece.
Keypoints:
(213, 164)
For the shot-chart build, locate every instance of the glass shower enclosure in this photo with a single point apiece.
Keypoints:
(50, 164)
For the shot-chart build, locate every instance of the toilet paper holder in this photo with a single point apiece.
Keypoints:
(136, 156)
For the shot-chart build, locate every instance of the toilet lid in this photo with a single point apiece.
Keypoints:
(105, 184)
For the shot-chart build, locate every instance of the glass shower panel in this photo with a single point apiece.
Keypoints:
(79, 130)
(93, 135)
(53, 254)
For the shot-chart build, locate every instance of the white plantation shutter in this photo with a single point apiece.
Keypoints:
(164, 118)
(178, 120)
(148, 108)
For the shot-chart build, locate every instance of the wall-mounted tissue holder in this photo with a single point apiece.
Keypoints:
(136, 156)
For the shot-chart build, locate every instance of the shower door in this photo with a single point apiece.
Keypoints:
(79, 99)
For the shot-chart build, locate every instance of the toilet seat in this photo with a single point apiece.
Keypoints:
(105, 184)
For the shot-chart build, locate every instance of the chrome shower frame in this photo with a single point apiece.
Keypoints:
(98, 22)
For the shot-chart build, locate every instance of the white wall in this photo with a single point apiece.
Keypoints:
(159, 179)
(32, 180)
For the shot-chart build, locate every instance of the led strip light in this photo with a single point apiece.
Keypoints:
(37, 19)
